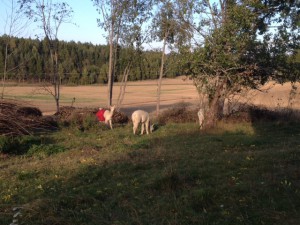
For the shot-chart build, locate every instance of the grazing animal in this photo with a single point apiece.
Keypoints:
(105, 115)
(201, 117)
(141, 116)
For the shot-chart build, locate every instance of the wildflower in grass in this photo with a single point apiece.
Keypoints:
(6, 197)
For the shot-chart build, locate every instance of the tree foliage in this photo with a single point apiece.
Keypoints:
(238, 48)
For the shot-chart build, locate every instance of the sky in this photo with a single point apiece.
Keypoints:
(84, 16)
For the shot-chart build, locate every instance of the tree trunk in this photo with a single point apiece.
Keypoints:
(110, 68)
(214, 112)
(211, 116)
(57, 80)
(5, 70)
(161, 74)
(123, 86)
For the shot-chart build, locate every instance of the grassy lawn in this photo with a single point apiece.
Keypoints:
(235, 174)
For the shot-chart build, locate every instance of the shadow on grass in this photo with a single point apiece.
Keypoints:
(179, 176)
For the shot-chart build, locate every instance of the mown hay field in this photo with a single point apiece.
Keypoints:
(142, 94)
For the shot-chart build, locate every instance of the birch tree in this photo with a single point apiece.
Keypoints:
(49, 16)
(171, 25)
(15, 25)
(111, 12)
(122, 20)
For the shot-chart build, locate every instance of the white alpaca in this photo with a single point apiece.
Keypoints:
(140, 116)
(106, 115)
(201, 117)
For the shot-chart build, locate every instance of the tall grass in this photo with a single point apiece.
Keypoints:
(235, 174)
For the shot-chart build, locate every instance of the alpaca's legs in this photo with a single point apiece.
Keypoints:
(110, 124)
(143, 127)
(147, 127)
(135, 126)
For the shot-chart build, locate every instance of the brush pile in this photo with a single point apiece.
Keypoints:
(17, 118)
(120, 117)
(179, 113)
(79, 116)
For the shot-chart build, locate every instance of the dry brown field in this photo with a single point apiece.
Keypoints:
(142, 94)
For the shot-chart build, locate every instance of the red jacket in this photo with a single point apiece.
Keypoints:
(100, 115)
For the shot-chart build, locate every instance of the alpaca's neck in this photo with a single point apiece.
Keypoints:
(111, 111)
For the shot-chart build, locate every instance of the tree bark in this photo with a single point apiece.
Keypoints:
(212, 115)
(5, 70)
(161, 74)
(110, 68)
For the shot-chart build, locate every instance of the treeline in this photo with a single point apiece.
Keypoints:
(79, 63)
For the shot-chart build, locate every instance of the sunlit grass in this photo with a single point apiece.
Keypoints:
(235, 174)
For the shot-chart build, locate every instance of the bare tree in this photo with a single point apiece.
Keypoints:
(50, 16)
(15, 24)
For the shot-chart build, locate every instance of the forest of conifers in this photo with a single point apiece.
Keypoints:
(80, 63)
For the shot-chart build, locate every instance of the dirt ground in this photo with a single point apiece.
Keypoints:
(142, 94)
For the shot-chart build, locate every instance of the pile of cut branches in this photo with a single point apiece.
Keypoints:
(179, 113)
(71, 115)
(17, 118)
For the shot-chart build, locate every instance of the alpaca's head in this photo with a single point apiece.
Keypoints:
(112, 108)
(153, 127)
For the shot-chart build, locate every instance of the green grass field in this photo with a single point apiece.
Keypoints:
(234, 174)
